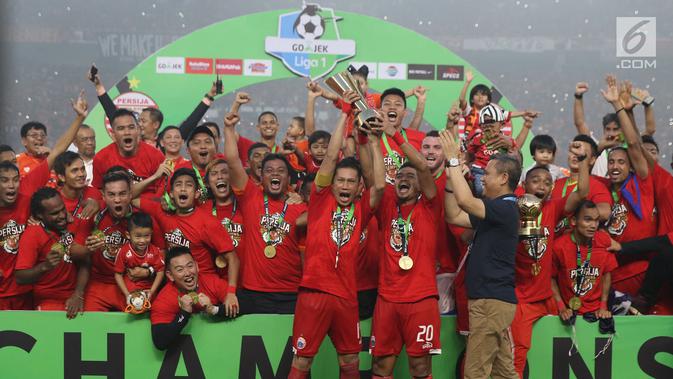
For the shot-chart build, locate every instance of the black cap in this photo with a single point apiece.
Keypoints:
(200, 129)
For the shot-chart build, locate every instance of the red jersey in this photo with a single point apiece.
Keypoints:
(372, 99)
(165, 307)
(140, 166)
(447, 250)
(35, 244)
(663, 182)
(623, 224)
(369, 254)
(393, 156)
(531, 288)
(332, 230)
(103, 260)
(395, 284)
(311, 166)
(13, 220)
(244, 145)
(27, 163)
(129, 258)
(563, 187)
(230, 217)
(75, 207)
(197, 231)
(281, 273)
(566, 271)
(478, 147)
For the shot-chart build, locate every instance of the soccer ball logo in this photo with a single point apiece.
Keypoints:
(309, 24)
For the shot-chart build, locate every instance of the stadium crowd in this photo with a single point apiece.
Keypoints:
(373, 219)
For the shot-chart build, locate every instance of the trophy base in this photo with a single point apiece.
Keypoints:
(530, 232)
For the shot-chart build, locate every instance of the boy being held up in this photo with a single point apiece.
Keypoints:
(139, 252)
(487, 141)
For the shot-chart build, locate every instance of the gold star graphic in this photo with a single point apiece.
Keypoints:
(133, 82)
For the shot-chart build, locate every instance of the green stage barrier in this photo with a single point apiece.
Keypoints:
(116, 345)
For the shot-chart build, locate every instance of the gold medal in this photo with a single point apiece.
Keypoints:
(535, 269)
(575, 303)
(270, 251)
(220, 261)
(406, 263)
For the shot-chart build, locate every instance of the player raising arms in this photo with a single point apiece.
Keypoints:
(327, 300)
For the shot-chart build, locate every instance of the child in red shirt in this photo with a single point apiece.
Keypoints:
(483, 143)
(139, 252)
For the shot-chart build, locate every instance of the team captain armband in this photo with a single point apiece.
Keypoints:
(323, 180)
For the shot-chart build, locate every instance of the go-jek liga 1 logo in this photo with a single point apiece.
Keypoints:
(308, 41)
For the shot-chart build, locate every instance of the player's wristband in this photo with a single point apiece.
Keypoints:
(561, 305)
(399, 140)
(362, 139)
(231, 289)
(151, 269)
(578, 96)
(604, 306)
(207, 96)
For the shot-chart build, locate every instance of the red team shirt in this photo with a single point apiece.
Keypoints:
(283, 272)
(395, 155)
(531, 288)
(482, 154)
(57, 284)
(368, 257)
(75, 207)
(13, 220)
(663, 182)
(231, 219)
(565, 268)
(165, 307)
(624, 226)
(395, 284)
(140, 166)
(598, 193)
(446, 247)
(324, 230)
(129, 258)
(198, 231)
(103, 260)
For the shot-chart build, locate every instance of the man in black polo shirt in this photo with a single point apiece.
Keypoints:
(490, 267)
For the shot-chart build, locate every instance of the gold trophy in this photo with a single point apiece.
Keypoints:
(530, 231)
(530, 207)
(343, 82)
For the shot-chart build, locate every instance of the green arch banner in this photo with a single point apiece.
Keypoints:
(313, 42)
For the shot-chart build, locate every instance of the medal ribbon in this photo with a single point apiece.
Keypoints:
(390, 151)
(233, 211)
(404, 227)
(629, 197)
(79, 204)
(341, 228)
(202, 186)
(266, 212)
(565, 187)
(581, 267)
